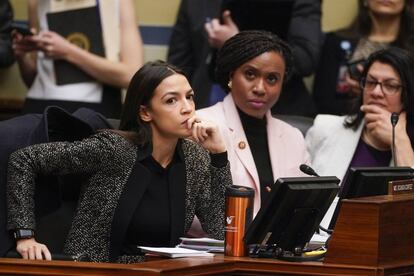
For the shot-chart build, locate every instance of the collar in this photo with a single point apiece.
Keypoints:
(145, 151)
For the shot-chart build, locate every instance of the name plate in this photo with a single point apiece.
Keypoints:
(398, 187)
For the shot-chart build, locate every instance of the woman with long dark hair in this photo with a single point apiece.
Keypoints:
(145, 182)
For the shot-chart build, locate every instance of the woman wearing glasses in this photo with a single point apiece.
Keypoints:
(364, 138)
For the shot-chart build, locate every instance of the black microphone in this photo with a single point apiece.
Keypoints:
(307, 170)
(394, 121)
(394, 118)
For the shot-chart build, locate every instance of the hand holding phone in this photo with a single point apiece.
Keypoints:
(21, 29)
(355, 69)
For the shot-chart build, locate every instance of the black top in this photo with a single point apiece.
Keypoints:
(151, 222)
(256, 134)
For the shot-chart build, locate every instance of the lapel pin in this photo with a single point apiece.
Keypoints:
(242, 145)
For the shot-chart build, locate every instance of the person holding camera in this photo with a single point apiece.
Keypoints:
(378, 25)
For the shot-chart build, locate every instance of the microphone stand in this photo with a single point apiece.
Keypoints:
(394, 121)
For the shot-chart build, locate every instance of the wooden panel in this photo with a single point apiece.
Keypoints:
(397, 230)
(198, 266)
(373, 231)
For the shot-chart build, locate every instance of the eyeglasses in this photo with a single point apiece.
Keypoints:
(387, 87)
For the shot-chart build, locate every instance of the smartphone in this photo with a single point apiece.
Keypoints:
(353, 70)
(22, 29)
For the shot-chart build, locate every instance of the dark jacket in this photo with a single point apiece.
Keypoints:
(54, 124)
(326, 97)
(190, 51)
(6, 18)
(116, 184)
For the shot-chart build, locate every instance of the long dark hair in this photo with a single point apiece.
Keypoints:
(403, 62)
(245, 46)
(362, 25)
(140, 92)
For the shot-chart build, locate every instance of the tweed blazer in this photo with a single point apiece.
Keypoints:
(54, 124)
(114, 189)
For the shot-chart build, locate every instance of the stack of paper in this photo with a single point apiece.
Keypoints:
(205, 244)
(175, 252)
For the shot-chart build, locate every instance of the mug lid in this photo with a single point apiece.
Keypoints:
(240, 191)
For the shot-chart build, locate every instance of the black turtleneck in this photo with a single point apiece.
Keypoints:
(256, 133)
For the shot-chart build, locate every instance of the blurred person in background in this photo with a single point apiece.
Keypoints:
(35, 55)
(378, 25)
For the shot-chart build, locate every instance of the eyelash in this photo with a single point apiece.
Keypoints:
(173, 100)
(251, 75)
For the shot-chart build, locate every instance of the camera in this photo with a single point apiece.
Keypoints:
(353, 70)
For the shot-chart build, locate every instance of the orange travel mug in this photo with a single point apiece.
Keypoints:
(239, 214)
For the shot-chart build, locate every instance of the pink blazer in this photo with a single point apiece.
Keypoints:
(287, 148)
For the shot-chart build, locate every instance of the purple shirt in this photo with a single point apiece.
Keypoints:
(367, 156)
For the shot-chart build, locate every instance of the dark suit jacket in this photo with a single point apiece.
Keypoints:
(190, 51)
(6, 18)
(327, 100)
(116, 184)
(54, 124)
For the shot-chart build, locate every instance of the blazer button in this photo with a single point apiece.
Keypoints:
(242, 145)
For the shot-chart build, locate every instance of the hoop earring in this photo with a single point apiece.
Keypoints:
(230, 84)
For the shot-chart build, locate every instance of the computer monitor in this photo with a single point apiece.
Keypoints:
(270, 15)
(369, 181)
(292, 212)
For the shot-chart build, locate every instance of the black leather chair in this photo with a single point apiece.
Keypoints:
(114, 123)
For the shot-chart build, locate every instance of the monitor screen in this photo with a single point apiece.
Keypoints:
(369, 181)
(293, 211)
(270, 15)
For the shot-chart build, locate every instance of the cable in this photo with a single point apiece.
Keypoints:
(329, 231)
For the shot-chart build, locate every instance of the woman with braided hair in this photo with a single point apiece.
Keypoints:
(252, 67)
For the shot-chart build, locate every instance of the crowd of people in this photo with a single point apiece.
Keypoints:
(202, 121)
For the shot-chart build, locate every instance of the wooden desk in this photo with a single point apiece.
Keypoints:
(218, 265)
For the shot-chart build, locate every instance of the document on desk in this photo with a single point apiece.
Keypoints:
(319, 238)
(175, 252)
(203, 244)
